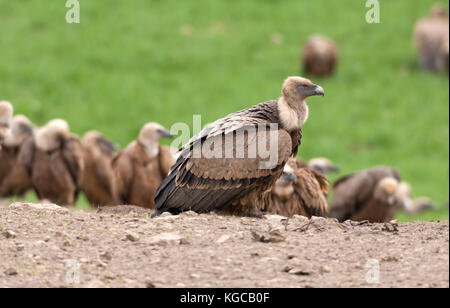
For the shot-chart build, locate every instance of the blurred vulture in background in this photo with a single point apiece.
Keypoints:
(97, 180)
(215, 173)
(54, 161)
(299, 191)
(414, 207)
(14, 179)
(431, 37)
(320, 164)
(141, 167)
(319, 56)
(6, 114)
(375, 195)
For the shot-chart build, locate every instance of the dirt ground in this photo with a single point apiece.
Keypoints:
(49, 246)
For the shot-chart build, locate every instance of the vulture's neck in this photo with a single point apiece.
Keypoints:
(292, 115)
(150, 148)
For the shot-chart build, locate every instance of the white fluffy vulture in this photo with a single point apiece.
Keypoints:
(414, 207)
(374, 194)
(14, 179)
(6, 114)
(431, 36)
(54, 161)
(141, 167)
(97, 180)
(319, 56)
(215, 173)
(300, 190)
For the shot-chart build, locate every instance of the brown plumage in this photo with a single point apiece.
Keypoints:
(319, 56)
(375, 195)
(54, 161)
(299, 191)
(6, 113)
(14, 179)
(431, 36)
(321, 164)
(231, 180)
(141, 167)
(97, 180)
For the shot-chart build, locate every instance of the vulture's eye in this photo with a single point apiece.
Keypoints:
(305, 86)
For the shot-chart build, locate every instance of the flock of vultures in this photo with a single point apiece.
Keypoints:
(58, 165)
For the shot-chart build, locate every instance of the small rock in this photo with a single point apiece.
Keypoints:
(11, 272)
(325, 269)
(38, 206)
(9, 234)
(272, 237)
(165, 239)
(299, 271)
(223, 239)
(133, 237)
(189, 214)
(106, 256)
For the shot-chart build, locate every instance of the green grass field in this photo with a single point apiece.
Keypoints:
(130, 62)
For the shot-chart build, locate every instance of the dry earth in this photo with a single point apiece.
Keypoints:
(43, 246)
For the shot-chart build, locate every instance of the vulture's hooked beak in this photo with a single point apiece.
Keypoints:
(318, 90)
(166, 134)
(289, 177)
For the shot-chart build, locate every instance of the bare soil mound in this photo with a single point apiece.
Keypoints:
(47, 246)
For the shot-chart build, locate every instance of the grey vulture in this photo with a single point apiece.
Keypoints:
(54, 161)
(374, 194)
(6, 114)
(97, 180)
(300, 190)
(14, 179)
(141, 167)
(319, 56)
(227, 167)
(431, 37)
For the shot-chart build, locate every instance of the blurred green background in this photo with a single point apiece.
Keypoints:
(130, 62)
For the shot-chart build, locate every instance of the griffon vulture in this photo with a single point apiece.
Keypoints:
(230, 164)
(321, 164)
(374, 195)
(6, 114)
(418, 205)
(319, 56)
(54, 160)
(141, 167)
(431, 36)
(97, 181)
(299, 191)
(14, 179)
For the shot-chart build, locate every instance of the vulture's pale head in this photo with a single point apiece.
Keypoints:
(438, 11)
(6, 113)
(90, 138)
(98, 144)
(322, 165)
(21, 129)
(151, 133)
(297, 89)
(284, 186)
(386, 190)
(403, 195)
(51, 136)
